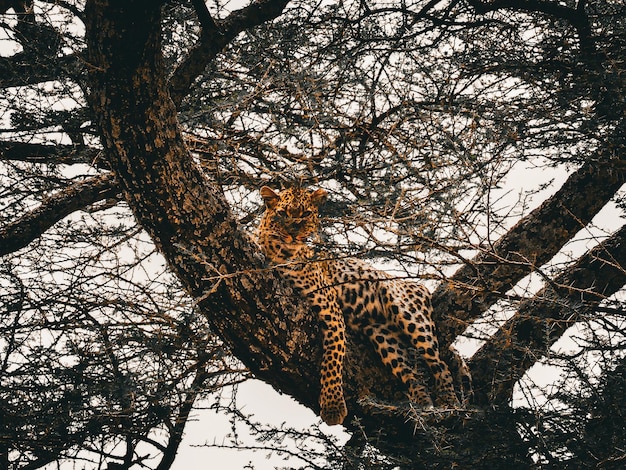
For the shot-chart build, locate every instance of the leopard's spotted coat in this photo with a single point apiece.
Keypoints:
(394, 313)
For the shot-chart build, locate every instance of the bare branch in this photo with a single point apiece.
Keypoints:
(31, 225)
(542, 320)
(215, 36)
(187, 217)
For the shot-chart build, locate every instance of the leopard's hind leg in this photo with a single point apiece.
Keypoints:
(410, 309)
(388, 341)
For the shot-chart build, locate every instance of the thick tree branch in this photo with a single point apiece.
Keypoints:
(24, 69)
(51, 154)
(24, 230)
(542, 320)
(531, 243)
(215, 36)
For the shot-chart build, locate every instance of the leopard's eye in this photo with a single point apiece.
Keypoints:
(281, 213)
(306, 213)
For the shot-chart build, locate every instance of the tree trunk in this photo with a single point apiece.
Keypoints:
(186, 215)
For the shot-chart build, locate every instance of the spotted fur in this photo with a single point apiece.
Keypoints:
(394, 313)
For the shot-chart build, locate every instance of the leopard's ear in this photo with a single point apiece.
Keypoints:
(269, 196)
(319, 196)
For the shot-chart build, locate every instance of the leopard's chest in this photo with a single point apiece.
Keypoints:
(306, 276)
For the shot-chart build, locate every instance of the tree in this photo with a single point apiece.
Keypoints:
(411, 114)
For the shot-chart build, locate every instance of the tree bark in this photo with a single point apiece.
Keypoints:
(532, 242)
(539, 322)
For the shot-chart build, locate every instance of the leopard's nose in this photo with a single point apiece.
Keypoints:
(295, 230)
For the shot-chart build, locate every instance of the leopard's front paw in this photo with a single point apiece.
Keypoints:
(334, 412)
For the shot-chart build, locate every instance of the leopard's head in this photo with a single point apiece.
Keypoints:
(292, 214)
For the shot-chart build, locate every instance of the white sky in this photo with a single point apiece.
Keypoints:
(267, 406)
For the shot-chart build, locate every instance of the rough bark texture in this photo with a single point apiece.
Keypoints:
(263, 323)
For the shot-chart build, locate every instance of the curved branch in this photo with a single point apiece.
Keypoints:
(31, 225)
(215, 36)
(176, 430)
(542, 320)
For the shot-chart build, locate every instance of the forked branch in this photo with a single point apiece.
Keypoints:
(542, 320)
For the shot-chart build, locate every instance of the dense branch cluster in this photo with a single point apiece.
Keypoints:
(117, 315)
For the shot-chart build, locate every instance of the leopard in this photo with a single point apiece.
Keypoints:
(346, 292)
